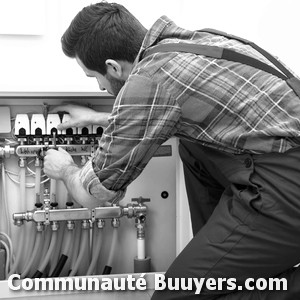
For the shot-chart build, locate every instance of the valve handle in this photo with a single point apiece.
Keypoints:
(140, 200)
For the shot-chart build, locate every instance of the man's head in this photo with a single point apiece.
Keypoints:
(105, 39)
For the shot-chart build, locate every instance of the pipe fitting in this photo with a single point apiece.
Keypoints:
(115, 222)
(54, 225)
(22, 162)
(6, 151)
(100, 223)
(85, 224)
(40, 226)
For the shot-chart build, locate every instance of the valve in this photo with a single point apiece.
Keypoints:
(140, 200)
(6, 151)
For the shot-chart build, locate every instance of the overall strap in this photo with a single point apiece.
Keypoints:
(231, 55)
(215, 52)
(266, 54)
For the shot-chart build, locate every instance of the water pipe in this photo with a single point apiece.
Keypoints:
(21, 231)
(142, 263)
(35, 251)
(97, 243)
(85, 226)
(69, 237)
(4, 197)
(56, 253)
(5, 246)
(30, 230)
(7, 240)
(46, 242)
(45, 261)
(108, 267)
(38, 170)
(76, 245)
(53, 190)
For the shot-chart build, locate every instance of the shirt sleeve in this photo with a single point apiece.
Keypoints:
(144, 116)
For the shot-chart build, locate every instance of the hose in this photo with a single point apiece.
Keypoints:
(97, 243)
(56, 253)
(38, 170)
(21, 233)
(64, 256)
(45, 261)
(4, 195)
(76, 245)
(37, 246)
(108, 267)
(84, 241)
(7, 257)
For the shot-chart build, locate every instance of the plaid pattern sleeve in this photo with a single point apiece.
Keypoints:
(144, 116)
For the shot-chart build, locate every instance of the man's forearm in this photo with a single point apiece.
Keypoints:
(74, 186)
(101, 119)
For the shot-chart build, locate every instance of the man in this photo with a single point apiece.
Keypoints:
(238, 128)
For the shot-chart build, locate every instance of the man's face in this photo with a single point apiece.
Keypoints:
(107, 82)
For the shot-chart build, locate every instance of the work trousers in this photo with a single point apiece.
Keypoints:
(245, 212)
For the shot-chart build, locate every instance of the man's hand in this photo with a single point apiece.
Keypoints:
(81, 116)
(56, 162)
(59, 165)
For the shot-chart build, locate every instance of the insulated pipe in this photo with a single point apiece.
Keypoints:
(108, 267)
(38, 171)
(37, 246)
(142, 263)
(56, 253)
(113, 246)
(83, 243)
(21, 233)
(53, 190)
(4, 197)
(30, 228)
(45, 261)
(64, 255)
(97, 243)
(141, 252)
(76, 245)
(47, 239)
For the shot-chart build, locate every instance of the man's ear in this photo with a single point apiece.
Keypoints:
(114, 68)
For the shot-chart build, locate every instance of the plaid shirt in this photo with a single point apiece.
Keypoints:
(218, 103)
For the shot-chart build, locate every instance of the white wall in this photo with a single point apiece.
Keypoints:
(35, 63)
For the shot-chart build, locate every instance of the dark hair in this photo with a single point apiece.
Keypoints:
(103, 31)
